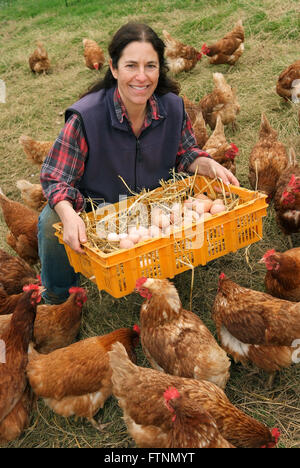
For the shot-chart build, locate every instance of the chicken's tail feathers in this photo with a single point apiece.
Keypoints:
(120, 363)
(23, 184)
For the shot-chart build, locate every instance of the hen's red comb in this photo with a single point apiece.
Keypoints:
(30, 287)
(75, 289)
(171, 393)
(234, 147)
(137, 329)
(275, 433)
(222, 276)
(204, 49)
(140, 282)
(269, 253)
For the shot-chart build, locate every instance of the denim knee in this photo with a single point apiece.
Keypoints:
(57, 274)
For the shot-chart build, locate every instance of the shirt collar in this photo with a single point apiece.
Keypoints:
(121, 112)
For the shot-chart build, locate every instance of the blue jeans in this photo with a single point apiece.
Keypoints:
(57, 274)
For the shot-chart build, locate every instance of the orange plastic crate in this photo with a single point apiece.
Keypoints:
(165, 257)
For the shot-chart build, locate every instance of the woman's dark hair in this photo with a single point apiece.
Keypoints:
(139, 32)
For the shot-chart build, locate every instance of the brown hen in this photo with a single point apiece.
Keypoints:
(256, 327)
(288, 83)
(267, 160)
(228, 49)
(283, 274)
(287, 198)
(22, 224)
(38, 60)
(93, 54)
(76, 380)
(35, 150)
(32, 194)
(140, 395)
(219, 148)
(13, 381)
(15, 273)
(221, 101)
(180, 57)
(176, 340)
(55, 326)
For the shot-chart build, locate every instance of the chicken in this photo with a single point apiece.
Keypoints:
(256, 327)
(283, 274)
(192, 426)
(35, 150)
(176, 340)
(287, 197)
(32, 195)
(15, 273)
(221, 101)
(76, 380)
(22, 223)
(192, 108)
(267, 160)
(38, 60)
(228, 49)
(8, 302)
(55, 326)
(198, 123)
(18, 419)
(200, 131)
(13, 381)
(140, 395)
(288, 83)
(180, 57)
(218, 147)
(93, 54)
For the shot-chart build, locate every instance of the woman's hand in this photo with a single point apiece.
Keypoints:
(210, 168)
(74, 227)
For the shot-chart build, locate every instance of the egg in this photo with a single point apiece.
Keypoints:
(188, 203)
(201, 196)
(123, 236)
(159, 218)
(134, 237)
(218, 201)
(202, 206)
(154, 231)
(168, 231)
(205, 216)
(113, 237)
(126, 243)
(217, 208)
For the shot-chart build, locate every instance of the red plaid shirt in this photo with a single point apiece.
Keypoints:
(64, 165)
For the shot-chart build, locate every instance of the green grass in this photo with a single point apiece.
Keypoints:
(35, 106)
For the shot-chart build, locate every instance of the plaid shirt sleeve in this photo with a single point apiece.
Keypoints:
(64, 166)
(188, 149)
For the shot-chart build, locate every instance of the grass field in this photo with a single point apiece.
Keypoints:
(35, 105)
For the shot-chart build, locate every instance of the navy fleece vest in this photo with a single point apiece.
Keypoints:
(114, 150)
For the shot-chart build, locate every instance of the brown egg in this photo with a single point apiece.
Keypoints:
(159, 218)
(217, 208)
(202, 206)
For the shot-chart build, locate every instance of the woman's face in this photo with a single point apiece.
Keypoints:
(137, 73)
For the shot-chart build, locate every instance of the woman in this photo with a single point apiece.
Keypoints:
(132, 124)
